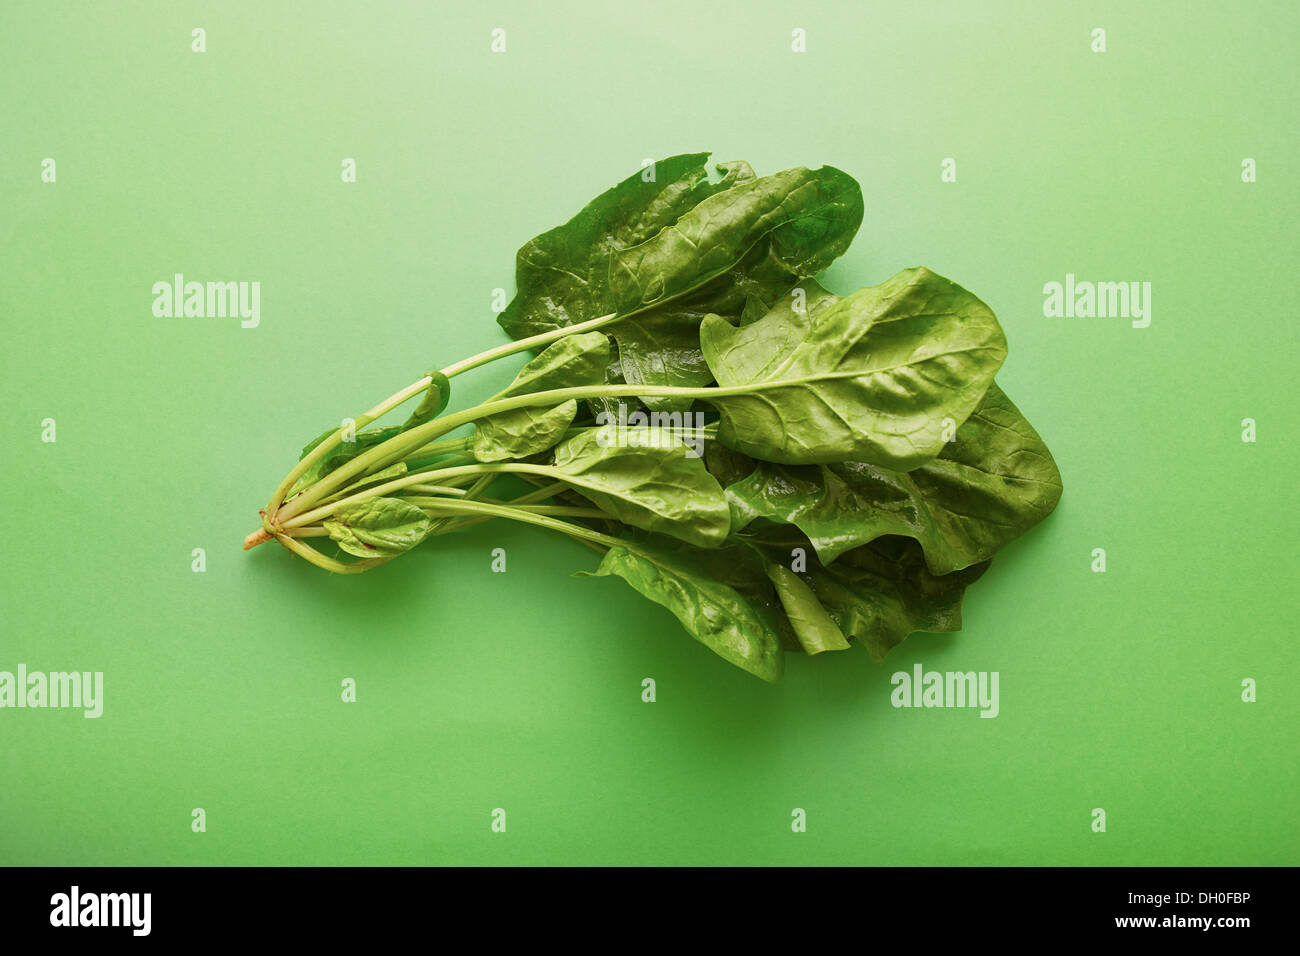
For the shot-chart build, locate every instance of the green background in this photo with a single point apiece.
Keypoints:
(521, 690)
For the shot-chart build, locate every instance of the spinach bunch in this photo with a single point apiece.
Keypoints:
(861, 466)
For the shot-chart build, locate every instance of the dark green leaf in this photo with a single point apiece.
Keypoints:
(435, 399)
(988, 486)
(676, 249)
(562, 276)
(882, 592)
(809, 215)
(714, 613)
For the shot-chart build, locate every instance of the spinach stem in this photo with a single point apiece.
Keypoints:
(528, 517)
(445, 525)
(510, 348)
(406, 481)
(392, 450)
(570, 511)
(329, 444)
(397, 398)
(324, 561)
(433, 451)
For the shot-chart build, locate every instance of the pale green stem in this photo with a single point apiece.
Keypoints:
(375, 457)
(510, 348)
(397, 398)
(540, 494)
(406, 481)
(501, 511)
(567, 511)
(329, 564)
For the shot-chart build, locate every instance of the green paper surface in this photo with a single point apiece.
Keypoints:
(478, 690)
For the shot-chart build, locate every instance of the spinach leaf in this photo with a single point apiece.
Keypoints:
(713, 612)
(562, 276)
(662, 345)
(522, 432)
(989, 485)
(434, 401)
(729, 467)
(598, 405)
(877, 377)
(809, 217)
(882, 592)
(652, 485)
(378, 527)
(676, 249)
(814, 627)
(572, 360)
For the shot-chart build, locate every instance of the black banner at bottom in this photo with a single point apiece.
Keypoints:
(96, 905)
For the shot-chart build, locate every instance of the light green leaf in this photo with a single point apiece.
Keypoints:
(570, 361)
(378, 527)
(878, 376)
(813, 626)
(522, 432)
(650, 483)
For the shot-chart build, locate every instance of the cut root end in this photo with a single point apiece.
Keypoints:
(256, 538)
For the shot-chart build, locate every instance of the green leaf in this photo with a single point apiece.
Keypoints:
(378, 527)
(562, 276)
(714, 613)
(344, 452)
(877, 376)
(809, 215)
(662, 345)
(610, 406)
(570, 361)
(573, 360)
(653, 484)
(882, 592)
(676, 249)
(813, 626)
(729, 467)
(663, 348)
(522, 432)
(989, 485)
(436, 397)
